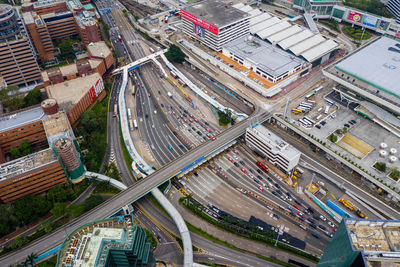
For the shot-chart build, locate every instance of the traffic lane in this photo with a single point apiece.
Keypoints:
(291, 205)
(166, 249)
(129, 195)
(219, 252)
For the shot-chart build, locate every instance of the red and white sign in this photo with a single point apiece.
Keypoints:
(354, 16)
(200, 22)
(92, 94)
(96, 89)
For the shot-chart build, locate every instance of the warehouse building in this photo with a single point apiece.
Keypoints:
(116, 241)
(294, 39)
(361, 242)
(267, 61)
(371, 73)
(277, 151)
(214, 23)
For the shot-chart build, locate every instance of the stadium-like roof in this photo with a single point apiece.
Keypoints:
(307, 44)
(263, 25)
(295, 39)
(319, 50)
(273, 29)
(284, 34)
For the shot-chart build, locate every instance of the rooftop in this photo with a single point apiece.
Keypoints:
(21, 118)
(22, 165)
(216, 12)
(89, 245)
(57, 125)
(98, 49)
(69, 93)
(374, 237)
(279, 146)
(377, 64)
(267, 57)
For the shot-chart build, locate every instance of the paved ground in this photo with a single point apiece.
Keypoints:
(231, 238)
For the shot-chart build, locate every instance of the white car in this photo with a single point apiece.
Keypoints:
(322, 218)
(251, 175)
(331, 224)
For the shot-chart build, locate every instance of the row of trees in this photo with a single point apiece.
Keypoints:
(12, 99)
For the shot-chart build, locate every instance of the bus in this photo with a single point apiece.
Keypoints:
(129, 113)
(301, 106)
(133, 90)
(309, 95)
(262, 166)
(330, 102)
(305, 123)
(135, 124)
(310, 120)
(115, 110)
(319, 116)
(319, 88)
(326, 109)
(319, 109)
(307, 104)
(296, 111)
(151, 50)
(173, 74)
(181, 82)
(130, 125)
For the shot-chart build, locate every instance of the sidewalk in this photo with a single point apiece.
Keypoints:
(235, 240)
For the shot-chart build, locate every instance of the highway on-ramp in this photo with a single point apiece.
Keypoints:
(133, 193)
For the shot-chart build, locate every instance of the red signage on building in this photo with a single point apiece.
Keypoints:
(354, 16)
(92, 94)
(199, 22)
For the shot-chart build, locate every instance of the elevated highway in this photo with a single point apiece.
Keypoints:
(134, 192)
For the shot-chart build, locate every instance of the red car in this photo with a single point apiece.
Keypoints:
(191, 116)
(213, 139)
(297, 207)
(173, 113)
(230, 159)
(236, 152)
(190, 120)
(243, 170)
(300, 214)
(196, 120)
(148, 95)
(186, 121)
(208, 135)
(261, 188)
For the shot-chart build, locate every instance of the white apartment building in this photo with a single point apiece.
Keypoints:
(277, 151)
(215, 23)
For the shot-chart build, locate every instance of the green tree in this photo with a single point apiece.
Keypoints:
(92, 202)
(175, 54)
(14, 151)
(57, 194)
(344, 130)
(333, 138)
(65, 46)
(89, 121)
(33, 97)
(76, 210)
(22, 150)
(31, 259)
(11, 98)
(58, 209)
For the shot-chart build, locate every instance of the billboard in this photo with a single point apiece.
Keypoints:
(200, 22)
(369, 21)
(198, 30)
(382, 25)
(354, 16)
(92, 94)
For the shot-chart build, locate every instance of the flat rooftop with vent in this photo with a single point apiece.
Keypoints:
(360, 242)
(372, 72)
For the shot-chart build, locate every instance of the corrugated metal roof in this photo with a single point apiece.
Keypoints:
(257, 19)
(273, 29)
(246, 8)
(284, 34)
(254, 12)
(317, 51)
(264, 24)
(295, 39)
(238, 5)
(306, 44)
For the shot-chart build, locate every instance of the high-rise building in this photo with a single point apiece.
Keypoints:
(360, 242)
(214, 23)
(394, 7)
(278, 152)
(107, 243)
(18, 64)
